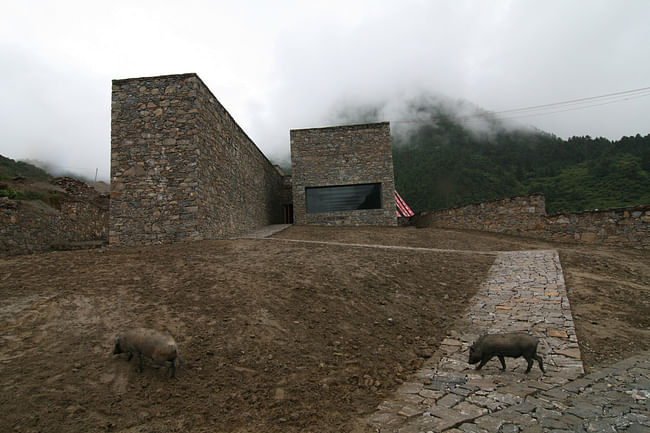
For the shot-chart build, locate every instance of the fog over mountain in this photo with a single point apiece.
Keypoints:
(277, 66)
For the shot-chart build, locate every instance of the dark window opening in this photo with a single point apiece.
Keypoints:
(343, 198)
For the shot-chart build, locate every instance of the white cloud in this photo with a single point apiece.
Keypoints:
(282, 65)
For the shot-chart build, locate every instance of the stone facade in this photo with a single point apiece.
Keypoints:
(343, 155)
(526, 216)
(78, 215)
(182, 168)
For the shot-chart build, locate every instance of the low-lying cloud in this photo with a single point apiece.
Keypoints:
(302, 64)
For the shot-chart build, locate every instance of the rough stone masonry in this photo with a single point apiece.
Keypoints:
(339, 156)
(182, 168)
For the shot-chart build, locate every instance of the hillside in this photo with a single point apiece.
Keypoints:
(449, 153)
(10, 169)
(442, 165)
(36, 180)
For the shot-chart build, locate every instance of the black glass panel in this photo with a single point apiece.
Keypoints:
(343, 198)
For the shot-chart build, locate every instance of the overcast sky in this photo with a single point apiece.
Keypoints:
(279, 65)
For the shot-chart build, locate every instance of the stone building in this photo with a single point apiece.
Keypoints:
(343, 175)
(183, 169)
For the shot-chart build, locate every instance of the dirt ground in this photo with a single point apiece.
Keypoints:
(276, 336)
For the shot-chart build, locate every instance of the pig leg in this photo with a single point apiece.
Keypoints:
(503, 362)
(140, 362)
(539, 361)
(484, 361)
(530, 364)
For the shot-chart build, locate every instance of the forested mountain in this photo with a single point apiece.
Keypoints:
(446, 159)
(444, 165)
(10, 169)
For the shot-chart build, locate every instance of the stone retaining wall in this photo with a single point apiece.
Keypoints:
(181, 167)
(78, 215)
(526, 216)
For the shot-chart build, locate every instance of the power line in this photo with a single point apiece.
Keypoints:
(518, 116)
(556, 107)
(645, 91)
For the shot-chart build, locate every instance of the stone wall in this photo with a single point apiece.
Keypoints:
(628, 226)
(343, 155)
(526, 216)
(78, 215)
(181, 167)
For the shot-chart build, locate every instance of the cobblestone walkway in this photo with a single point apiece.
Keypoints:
(524, 291)
(613, 399)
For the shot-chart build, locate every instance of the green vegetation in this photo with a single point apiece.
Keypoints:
(9, 169)
(50, 197)
(11, 193)
(443, 162)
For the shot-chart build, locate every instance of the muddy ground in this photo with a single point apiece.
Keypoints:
(276, 336)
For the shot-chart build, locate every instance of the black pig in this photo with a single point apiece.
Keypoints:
(512, 345)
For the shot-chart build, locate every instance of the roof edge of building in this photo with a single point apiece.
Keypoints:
(351, 126)
(195, 75)
(157, 77)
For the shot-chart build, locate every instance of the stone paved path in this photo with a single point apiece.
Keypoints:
(613, 399)
(524, 291)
